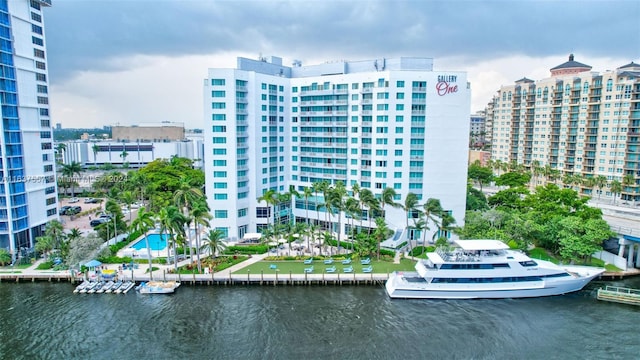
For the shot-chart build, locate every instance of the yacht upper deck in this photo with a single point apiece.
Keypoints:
(476, 251)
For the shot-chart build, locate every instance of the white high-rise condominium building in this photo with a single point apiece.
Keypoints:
(378, 123)
(28, 197)
(577, 121)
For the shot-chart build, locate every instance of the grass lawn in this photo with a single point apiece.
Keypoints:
(297, 267)
(540, 253)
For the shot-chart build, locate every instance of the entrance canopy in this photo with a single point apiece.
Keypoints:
(93, 263)
(252, 236)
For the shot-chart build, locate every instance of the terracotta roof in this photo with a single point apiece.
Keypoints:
(571, 64)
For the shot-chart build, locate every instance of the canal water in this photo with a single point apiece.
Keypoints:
(48, 321)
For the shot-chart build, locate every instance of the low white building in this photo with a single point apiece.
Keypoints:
(136, 154)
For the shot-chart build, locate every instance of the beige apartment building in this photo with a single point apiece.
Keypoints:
(149, 132)
(577, 121)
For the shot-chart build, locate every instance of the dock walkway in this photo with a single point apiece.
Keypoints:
(619, 294)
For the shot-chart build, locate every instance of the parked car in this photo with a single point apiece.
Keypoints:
(105, 216)
(96, 222)
(90, 201)
(63, 209)
(73, 210)
(73, 200)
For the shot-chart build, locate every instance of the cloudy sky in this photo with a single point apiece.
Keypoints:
(135, 61)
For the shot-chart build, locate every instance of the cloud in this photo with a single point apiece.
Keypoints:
(86, 35)
(127, 61)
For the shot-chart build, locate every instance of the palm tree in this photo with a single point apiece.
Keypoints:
(410, 205)
(55, 230)
(69, 171)
(627, 182)
(269, 197)
(95, 148)
(201, 216)
(172, 221)
(306, 193)
(184, 197)
(600, 182)
(143, 223)
(387, 198)
(421, 225)
(352, 208)
(124, 155)
(337, 195)
(5, 257)
(369, 200)
(128, 198)
(212, 242)
(74, 234)
(589, 183)
(432, 212)
(381, 232)
(316, 187)
(44, 244)
(616, 189)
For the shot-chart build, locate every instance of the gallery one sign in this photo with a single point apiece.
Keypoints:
(446, 84)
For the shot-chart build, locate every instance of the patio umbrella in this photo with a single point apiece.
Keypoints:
(282, 241)
(93, 263)
(272, 243)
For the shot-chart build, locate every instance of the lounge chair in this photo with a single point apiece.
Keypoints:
(308, 261)
(331, 269)
(273, 266)
(366, 261)
(328, 262)
(346, 261)
(367, 269)
(308, 269)
(348, 269)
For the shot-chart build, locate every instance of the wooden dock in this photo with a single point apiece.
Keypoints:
(619, 294)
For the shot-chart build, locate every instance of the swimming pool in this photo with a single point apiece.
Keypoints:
(156, 242)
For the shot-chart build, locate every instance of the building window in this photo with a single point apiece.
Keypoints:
(41, 77)
(218, 105)
(36, 29)
(40, 65)
(218, 93)
(35, 4)
(43, 100)
(38, 53)
(263, 212)
(36, 17)
(219, 185)
(217, 82)
(220, 214)
(37, 41)
(42, 89)
(242, 212)
(44, 112)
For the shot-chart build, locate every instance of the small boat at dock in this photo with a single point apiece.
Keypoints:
(158, 287)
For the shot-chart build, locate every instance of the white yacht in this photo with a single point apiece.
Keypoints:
(486, 269)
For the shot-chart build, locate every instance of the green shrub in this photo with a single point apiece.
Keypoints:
(246, 249)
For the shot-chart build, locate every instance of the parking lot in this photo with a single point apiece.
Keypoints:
(79, 221)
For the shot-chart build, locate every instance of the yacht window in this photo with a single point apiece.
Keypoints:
(528, 263)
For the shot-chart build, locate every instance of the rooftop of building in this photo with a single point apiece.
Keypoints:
(152, 124)
(572, 64)
(273, 66)
(630, 66)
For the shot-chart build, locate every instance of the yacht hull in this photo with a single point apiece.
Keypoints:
(398, 287)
